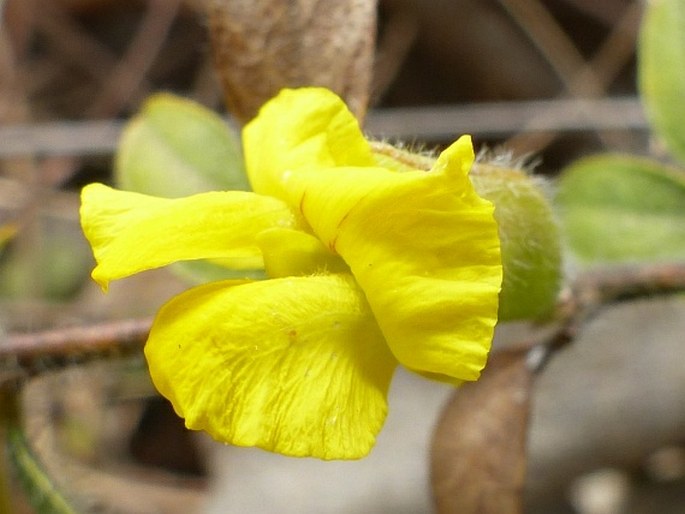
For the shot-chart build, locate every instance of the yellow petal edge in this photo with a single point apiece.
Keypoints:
(132, 232)
(293, 365)
(301, 128)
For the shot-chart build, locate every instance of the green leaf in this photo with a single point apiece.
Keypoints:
(661, 58)
(176, 147)
(622, 209)
(531, 250)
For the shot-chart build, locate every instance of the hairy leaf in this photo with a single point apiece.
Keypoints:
(623, 209)
(176, 147)
(662, 70)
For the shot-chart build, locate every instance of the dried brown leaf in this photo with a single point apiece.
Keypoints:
(479, 447)
(262, 46)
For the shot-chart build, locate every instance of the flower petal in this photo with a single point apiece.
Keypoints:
(293, 365)
(308, 127)
(289, 252)
(424, 248)
(131, 232)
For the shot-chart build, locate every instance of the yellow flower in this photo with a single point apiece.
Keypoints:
(368, 267)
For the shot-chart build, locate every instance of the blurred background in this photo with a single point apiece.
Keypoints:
(550, 81)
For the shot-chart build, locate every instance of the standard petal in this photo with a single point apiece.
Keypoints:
(308, 127)
(293, 365)
(424, 248)
(131, 232)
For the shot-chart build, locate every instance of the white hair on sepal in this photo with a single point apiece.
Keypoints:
(503, 157)
(413, 147)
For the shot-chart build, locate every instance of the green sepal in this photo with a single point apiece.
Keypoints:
(529, 235)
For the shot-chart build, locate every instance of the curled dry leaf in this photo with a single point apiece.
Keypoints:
(478, 452)
(262, 46)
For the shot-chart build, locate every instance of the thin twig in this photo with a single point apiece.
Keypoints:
(633, 281)
(581, 79)
(434, 123)
(553, 44)
(127, 77)
(71, 44)
(29, 352)
(594, 290)
(590, 292)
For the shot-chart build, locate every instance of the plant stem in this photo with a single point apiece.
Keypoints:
(31, 353)
(594, 290)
